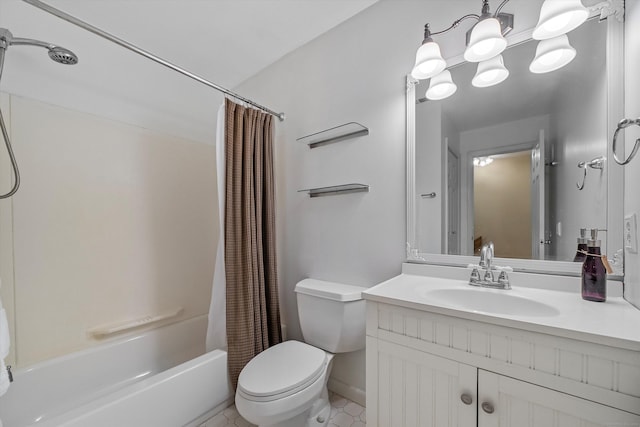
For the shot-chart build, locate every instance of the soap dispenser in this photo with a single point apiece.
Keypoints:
(594, 274)
(582, 246)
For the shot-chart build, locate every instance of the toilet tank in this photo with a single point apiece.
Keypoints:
(332, 315)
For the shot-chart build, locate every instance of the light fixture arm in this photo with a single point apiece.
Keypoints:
(452, 26)
(486, 13)
(503, 4)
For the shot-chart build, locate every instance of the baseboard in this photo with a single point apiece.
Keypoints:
(352, 393)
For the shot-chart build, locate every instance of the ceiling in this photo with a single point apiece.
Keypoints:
(224, 41)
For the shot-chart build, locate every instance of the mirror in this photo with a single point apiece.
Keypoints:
(502, 163)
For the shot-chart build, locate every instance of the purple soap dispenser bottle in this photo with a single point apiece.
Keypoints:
(594, 274)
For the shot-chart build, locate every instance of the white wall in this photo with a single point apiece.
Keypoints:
(112, 223)
(632, 170)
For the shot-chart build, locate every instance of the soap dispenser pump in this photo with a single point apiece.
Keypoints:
(594, 274)
(581, 254)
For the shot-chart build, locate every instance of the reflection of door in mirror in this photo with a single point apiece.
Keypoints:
(453, 202)
(538, 205)
(504, 191)
(501, 203)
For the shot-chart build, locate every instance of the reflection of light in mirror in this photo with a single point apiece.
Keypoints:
(482, 161)
(441, 86)
(490, 72)
(552, 54)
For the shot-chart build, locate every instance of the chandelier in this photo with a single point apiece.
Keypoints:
(486, 41)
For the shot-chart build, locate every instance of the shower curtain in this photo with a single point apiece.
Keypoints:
(217, 328)
(246, 259)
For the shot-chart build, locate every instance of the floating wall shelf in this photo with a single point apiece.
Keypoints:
(338, 133)
(336, 189)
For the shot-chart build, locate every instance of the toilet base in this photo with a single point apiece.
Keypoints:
(317, 416)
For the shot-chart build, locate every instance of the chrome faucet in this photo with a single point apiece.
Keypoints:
(486, 257)
(487, 279)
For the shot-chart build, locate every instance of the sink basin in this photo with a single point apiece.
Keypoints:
(489, 301)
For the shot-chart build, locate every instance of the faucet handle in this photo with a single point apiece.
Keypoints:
(475, 276)
(488, 276)
(503, 279)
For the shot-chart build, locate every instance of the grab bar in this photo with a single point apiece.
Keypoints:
(625, 123)
(114, 328)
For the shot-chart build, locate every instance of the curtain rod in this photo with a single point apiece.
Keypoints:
(65, 16)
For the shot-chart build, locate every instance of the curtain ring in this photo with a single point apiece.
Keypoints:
(582, 165)
(624, 123)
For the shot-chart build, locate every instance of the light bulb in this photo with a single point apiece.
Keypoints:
(490, 72)
(552, 54)
(441, 86)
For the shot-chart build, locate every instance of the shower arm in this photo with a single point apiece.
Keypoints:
(7, 39)
(30, 42)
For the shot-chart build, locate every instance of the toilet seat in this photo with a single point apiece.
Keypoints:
(281, 371)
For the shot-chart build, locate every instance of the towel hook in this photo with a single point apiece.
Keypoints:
(584, 177)
(625, 123)
(597, 163)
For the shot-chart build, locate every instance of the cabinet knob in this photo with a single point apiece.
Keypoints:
(487, 407)
(466, 399)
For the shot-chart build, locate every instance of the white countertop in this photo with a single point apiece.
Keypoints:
(614, 322)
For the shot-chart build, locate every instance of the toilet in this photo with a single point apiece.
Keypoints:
(286, 385)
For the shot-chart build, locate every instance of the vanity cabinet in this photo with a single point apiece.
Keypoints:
(511, 402)
(433, 370)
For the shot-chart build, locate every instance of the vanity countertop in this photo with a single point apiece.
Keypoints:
(614, 322)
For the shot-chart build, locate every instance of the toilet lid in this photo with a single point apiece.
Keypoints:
(282, 370)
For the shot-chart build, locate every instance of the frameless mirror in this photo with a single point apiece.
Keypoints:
(517, 163)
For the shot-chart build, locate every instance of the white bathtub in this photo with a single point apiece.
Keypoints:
(159, 378)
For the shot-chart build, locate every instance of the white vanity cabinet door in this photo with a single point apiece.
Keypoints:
(416, 389)
(520, 404)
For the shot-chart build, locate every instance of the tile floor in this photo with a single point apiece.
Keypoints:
(344, 413)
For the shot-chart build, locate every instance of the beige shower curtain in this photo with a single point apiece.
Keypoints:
(253, 312)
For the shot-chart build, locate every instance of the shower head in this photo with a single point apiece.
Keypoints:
(62, 55)
(57, 53)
